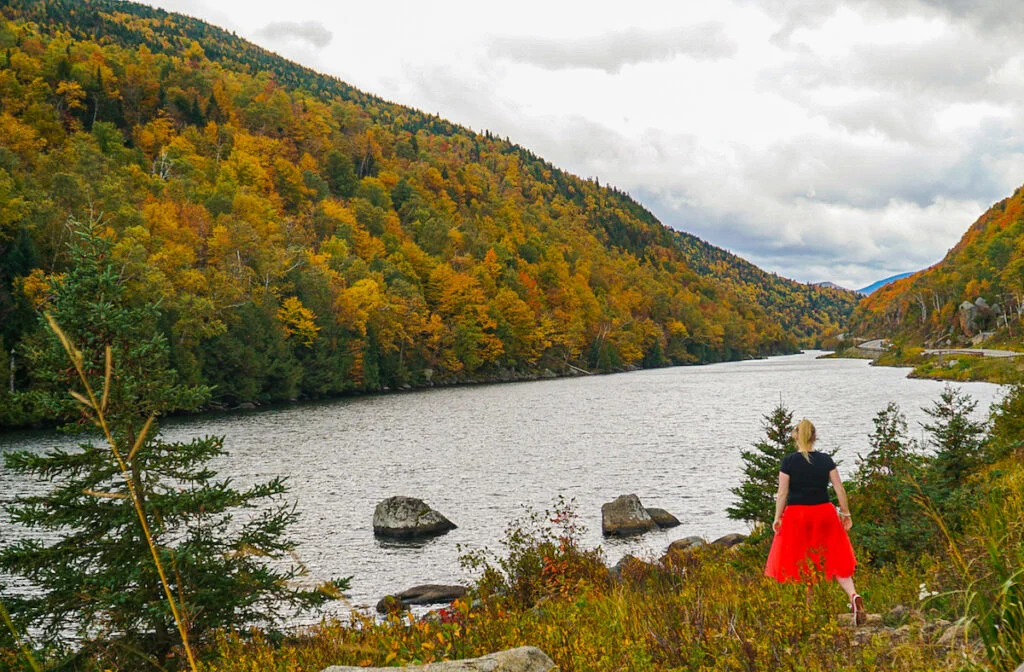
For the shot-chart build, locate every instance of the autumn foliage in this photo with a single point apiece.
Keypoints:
(302, 238)
(987, 263)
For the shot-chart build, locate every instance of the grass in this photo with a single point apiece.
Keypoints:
(1000, 370)
(23, 648)
(962, 368)
(997, 545)
(709, 609)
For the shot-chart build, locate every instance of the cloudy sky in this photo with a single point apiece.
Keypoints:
(820, 139)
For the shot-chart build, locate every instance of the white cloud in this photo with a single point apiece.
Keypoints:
(840, 140)
(312, 32)
(612, 51)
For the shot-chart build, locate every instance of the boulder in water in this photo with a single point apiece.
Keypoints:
(408, 518)
(625, 516)
(663, 518)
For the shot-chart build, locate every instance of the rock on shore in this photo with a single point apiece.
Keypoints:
(426, 594)
(523, 659)
(408, 518)
(730, 540)
(685, 544)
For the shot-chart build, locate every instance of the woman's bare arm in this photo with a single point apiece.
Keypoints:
(780, 499)
(844, 505)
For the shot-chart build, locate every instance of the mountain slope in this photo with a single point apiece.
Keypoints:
(977, 287)
(305, 238)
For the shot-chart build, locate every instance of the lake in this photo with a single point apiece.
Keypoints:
(480, 454)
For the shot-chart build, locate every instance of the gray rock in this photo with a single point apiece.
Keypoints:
(872, 621)
(626, 564)
(425, 594)
(967, 316)
(687, 544)
(523, 659)
(389, 604)
(408, 518)
(625, 516)
(953, 635)
(730, 540)
(897, 615)
(662, 518)
(930, 628)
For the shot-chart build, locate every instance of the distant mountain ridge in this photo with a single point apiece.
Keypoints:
(875, 286)
(305, 238)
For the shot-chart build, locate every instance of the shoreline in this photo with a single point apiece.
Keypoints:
(960, 367)
(501, 377)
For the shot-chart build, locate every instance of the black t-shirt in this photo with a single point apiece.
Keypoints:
(808, 481)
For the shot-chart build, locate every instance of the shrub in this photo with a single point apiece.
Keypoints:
(1006, 428)
(542, 557)
(883, 491)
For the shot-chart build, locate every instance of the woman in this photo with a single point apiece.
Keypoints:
(809, 534)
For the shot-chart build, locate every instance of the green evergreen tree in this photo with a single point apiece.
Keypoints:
(761, 468)
(115, 510)
(884, 492)
(957, 438)
(891, 448)
(92, 307)
(1006, 424)
(195, 115)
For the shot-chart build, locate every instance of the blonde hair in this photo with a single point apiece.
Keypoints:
(805, 436)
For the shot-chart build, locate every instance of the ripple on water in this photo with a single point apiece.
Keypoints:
(480, 454)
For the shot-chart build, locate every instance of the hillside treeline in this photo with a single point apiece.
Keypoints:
(302, 238)
(977, 288)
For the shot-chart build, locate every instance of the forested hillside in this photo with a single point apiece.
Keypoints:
(977, 289)
(302, 238)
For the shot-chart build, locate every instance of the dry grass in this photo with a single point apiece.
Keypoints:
(707, 610)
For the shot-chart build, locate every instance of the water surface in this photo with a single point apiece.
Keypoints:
(480, 454)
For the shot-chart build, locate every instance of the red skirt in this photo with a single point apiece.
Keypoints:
(810, 541)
